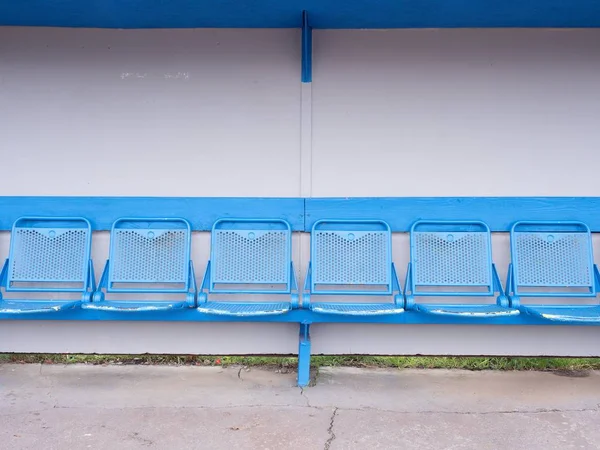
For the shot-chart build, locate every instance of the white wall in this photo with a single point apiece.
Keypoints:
(456, 113)
(222, 113)
(150, 112)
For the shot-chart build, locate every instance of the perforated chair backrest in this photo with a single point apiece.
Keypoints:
(451, 254)
(53, 251)
(149, 252)
(351, 257)
(251, 255)
(552, 259)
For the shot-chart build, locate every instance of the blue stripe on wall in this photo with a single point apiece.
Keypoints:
(201, 212)
(400, 212)
(498, 212)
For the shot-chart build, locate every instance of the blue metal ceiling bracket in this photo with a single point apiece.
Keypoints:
(306, 49)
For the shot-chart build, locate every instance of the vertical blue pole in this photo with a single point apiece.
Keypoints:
(304, 338)
(304, 355)
(306, 49)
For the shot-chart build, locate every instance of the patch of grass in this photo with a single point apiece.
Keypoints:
(465, 363)
(289, 363)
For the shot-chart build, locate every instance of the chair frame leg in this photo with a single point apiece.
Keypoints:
(304, 355)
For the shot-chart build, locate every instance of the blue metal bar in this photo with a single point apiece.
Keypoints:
(304, 355)
(193, 288)
(99, 294)
(203, 294)
(396, 289)
(292, 316)
(306, 49)
(4, 276)
(502, 299)
(513, 300)
(294, 288)
(306, 293)
(497, 283)
(409, 299)
(90, 283)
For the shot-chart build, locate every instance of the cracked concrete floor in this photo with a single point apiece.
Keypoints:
(161, 407)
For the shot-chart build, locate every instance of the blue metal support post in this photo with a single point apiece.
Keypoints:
(304, 355)
(306, 49)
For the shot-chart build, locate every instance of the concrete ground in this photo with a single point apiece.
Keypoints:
(159, 407)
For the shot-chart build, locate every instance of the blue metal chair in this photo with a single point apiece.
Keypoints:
(553, 259)
(249, 257)
(48, 256)
(352, 258)
(454, 259)
(148, 256)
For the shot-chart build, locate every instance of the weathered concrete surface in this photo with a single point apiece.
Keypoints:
(122, 407)
(551, 430)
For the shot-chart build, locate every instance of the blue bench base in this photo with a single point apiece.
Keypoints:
(134, 306)
(35, 306)
(580, 313)
(480, 311)
(244, 309)
(356, 309)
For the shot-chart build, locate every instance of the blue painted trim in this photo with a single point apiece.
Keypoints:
(306, 49)
(285, 13)
(293, 316)
(500, 213)
(201, 212)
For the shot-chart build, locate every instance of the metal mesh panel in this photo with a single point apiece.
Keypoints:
(451, 258)
(250, 256)
(351, 257)
(553, 259)
(149, 256)
(45, 254)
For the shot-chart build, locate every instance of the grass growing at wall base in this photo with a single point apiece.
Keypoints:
(289, 363)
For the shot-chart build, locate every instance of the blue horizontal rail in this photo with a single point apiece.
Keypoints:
(337, 14)
(499, 213)
(201, 212)
(299, 316)
(399, 212)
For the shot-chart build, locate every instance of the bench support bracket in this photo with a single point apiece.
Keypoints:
(304, 355)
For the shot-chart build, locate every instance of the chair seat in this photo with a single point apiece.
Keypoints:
(244, 309)
(134, 306)
(35, 307)
(479, 311)
(356, 309)
(589, 314)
